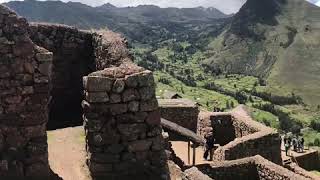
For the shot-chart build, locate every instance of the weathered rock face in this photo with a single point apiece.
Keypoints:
(124, 135)
(72, 59)
(24, 76)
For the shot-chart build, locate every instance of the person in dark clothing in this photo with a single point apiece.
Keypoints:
(295, 144)
(289, 141)
(209, 146)
(302, 144)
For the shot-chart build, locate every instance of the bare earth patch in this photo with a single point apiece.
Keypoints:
(67, 155)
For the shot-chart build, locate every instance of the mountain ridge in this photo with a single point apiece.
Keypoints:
(260, 40)
(274, 45)
(145, 23)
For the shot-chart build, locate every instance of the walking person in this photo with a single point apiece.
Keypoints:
(287, 147)
(294, 144)
(302, 144)
(289, 140)
(209, 146)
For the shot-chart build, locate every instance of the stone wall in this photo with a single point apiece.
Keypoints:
(180, 111)
(298, 170)
(24, 76)
(252, 168)
(122, 123)
(243, 127)
(73, 58)
(222, 128)
(245, 169)
(309, 161)
(248, 138)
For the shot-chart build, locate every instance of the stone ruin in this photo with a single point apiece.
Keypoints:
(122, 123)
(239, 136)
(24, 88)
(254, 168)
(53, 76)
(183, 112)
(47, 72)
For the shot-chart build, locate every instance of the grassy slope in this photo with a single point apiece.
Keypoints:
(197, 94)
(294, 67)
(298, 67)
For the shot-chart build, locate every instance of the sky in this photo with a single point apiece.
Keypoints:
(226, 6)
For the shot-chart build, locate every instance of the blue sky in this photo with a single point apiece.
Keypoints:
(227, 6)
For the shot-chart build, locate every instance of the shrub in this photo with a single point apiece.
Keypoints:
(164, 81)
(315, 124)
(316, 142)
(266, 122)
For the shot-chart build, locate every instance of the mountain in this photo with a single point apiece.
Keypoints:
(266, 56)
(277, 40)
(144, 23)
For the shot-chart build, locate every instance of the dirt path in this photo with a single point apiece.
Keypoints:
(181, 150)
(67, 153)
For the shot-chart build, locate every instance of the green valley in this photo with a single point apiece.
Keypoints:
(266, 56)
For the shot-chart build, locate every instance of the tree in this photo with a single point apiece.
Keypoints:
(250, 98)
(266, 122)
(315, 124)
(316, 142)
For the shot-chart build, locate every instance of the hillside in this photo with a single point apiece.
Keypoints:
(145, 23)
(265, 56)
(276, 40)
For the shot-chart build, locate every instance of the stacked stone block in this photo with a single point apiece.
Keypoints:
(183, 112)
(122, 124)
(255, 168)
(24, 77)
(72, 59)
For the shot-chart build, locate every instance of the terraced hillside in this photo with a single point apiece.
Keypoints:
(277, 40)
(265, 56)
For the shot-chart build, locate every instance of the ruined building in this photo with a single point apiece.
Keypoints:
(53, 76)
(47, 72)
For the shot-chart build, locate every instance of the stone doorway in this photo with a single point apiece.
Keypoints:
(72, 59)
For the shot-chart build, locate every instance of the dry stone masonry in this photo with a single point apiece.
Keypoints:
(122, 122)
(251, 168)
(183, 112)
(72, 59)
(24, 77)
(240, 136)
(121, 116)
(48, 71)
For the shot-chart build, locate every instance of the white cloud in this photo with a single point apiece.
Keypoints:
(316, 2)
